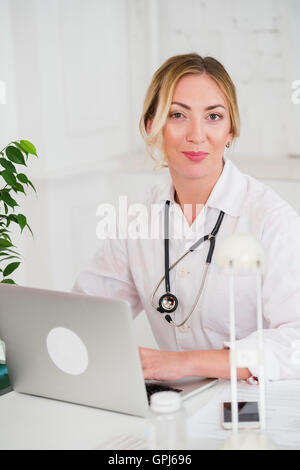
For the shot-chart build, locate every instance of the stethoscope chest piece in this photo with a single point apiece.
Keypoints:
(167, 303)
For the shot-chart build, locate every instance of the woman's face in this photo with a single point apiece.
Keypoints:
(200, 124)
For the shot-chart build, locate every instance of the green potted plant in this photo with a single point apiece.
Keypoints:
(14, 154)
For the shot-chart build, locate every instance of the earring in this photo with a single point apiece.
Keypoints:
(228, 145)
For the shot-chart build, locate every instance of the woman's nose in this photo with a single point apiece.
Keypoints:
(195, 131)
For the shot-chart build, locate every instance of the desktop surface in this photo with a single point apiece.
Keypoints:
(29, 422)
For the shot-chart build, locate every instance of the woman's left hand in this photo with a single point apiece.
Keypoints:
(164, 365)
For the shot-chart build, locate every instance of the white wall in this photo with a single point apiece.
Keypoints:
(77, 72)
(254, 40)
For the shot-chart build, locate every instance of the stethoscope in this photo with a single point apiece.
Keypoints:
(168, 302)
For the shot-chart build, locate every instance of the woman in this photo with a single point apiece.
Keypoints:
(190, 116)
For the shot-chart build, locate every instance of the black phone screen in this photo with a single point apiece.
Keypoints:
(247, 411)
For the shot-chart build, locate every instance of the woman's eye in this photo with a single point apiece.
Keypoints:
(218, 115)
(213, 116)
(175, 114)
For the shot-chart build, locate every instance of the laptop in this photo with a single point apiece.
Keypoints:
(77, 348)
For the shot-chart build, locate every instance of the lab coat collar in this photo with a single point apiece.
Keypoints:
(229, 191)
(227, 195)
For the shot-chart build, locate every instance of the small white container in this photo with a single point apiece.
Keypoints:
(166, 422)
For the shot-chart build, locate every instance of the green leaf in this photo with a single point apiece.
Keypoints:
(9, 251)
(23, 178)
(20, 148)
(8, 199)
(8, 177)
(30, 230)
(22, 221)
(29, 182)
(12, 217)
(4, 248)
(15, 155)
(4, 251)
(8, 165)
(5, 256)
(5, 243)
(28, 147)
(17, 144)
(10, 268)
(18, 188)
(9, 257)
(8, 281)
(6, 236)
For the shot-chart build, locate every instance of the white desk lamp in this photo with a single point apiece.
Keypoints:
(238, 254)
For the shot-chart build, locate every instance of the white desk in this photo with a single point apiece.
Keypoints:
(29, 422)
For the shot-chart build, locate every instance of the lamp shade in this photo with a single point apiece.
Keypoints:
(240, 252)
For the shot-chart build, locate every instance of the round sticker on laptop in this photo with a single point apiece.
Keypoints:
(67, 351)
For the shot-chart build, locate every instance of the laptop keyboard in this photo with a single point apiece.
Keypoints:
(153, 388)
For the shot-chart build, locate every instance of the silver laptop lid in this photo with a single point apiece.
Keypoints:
(72, 347)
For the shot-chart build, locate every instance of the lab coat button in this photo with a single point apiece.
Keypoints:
(183, 272)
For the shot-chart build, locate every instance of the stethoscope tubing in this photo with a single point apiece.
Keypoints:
(210, 237)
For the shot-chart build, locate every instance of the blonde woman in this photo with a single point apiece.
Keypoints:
(190, 117)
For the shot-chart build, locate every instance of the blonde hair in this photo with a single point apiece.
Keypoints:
(160, 91)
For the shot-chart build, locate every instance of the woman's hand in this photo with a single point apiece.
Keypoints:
(164, 365)
(173, 365)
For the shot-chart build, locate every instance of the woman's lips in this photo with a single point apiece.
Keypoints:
(195, 156)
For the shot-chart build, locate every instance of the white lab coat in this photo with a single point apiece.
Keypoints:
(129, 269)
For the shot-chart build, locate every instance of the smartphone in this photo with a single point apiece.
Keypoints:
(248, 415)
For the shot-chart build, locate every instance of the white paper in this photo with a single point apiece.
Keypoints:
(282, 412)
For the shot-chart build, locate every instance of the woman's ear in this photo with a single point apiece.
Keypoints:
(148, 126)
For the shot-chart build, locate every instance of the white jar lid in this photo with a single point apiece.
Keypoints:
(165, 402)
